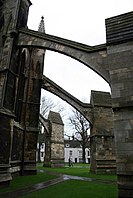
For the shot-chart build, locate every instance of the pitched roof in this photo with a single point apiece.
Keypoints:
(55, 117)
(74, 144)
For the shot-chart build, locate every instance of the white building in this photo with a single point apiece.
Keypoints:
(73, 150)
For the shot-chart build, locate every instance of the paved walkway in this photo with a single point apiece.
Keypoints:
(89, 179)
(39, 186)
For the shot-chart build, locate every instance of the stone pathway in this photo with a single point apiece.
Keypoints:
(39, 186)
(88, 179)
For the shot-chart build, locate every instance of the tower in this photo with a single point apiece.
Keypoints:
(54, 155)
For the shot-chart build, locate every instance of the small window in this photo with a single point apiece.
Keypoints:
(70, 152)
(42, 145)
(41, 154)
(80, 153)
(67, 145)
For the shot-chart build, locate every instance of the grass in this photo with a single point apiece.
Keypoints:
(81, 170)
(76, 189)
(25, 181)
(69, 188)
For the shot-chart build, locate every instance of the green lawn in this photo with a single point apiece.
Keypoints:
(70, 188)
(76, 189)
(25, 181)
(81, 170)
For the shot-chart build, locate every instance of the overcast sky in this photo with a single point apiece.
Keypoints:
(78, 20)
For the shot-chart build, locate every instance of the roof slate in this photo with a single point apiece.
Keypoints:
(74, 144)
(55, 118)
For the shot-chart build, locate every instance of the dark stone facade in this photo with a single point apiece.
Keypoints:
(20, 88)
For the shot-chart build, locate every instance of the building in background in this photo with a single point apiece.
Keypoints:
(73, 151)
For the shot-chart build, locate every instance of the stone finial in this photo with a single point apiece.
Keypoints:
(41, 25)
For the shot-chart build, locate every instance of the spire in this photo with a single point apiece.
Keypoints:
(41, 25)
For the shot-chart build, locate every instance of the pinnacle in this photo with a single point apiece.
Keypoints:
(42, 25)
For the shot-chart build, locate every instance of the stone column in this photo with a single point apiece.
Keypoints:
(101, 134)
(31, 108)
(120, 60)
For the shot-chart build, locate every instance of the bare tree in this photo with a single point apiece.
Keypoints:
(46, 105)
(80, 126)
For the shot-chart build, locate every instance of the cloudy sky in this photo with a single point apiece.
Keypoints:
(78, 20)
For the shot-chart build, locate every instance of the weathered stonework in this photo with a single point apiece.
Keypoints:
(10, 12)
(112, 61)
(54, 154)
(99, 113)
(102, 144)
(20, 88)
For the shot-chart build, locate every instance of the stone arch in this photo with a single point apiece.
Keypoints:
(99, 107)
(97, 56)
(113, 61)
(92, 57)
(84, 108)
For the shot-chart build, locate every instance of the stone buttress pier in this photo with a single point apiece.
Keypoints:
(102, 144)
(119, 31)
